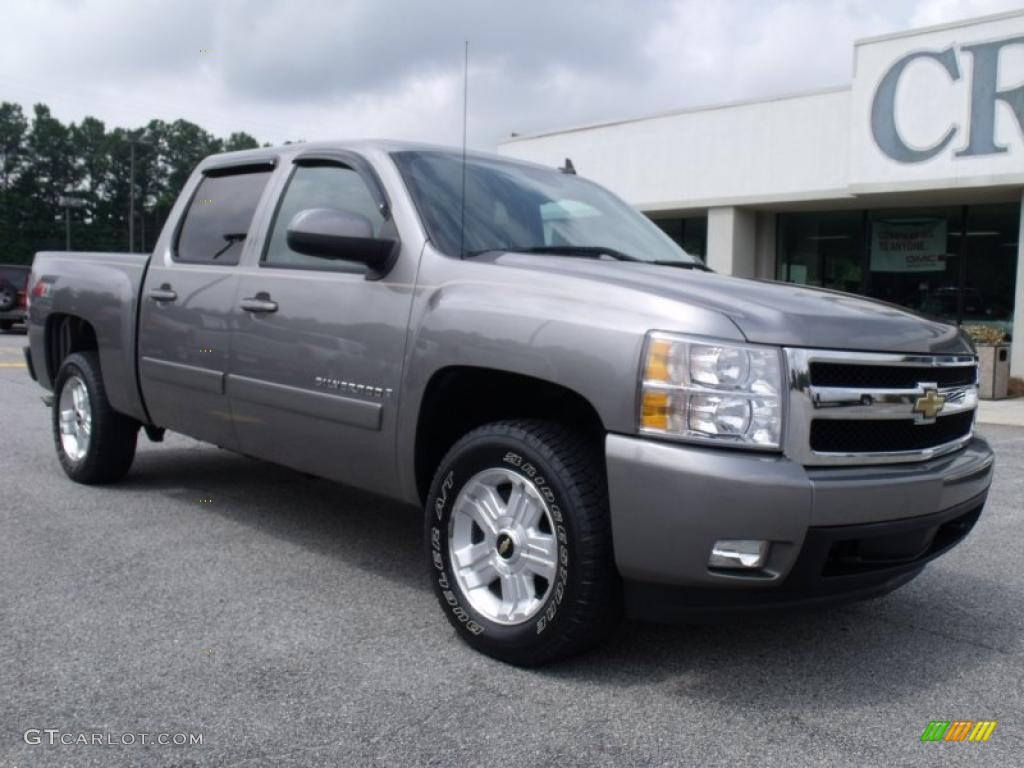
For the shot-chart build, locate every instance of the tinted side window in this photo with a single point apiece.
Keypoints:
(319, 186)
(14, 275)
(218, 218)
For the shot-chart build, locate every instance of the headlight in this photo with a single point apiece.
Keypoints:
(703, 390)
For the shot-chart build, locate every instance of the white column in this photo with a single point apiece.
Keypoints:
(767, 237)
(1017, 358)
(732, 240)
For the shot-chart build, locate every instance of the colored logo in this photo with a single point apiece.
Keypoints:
(505, 546)
(929, 405)
(958, 730)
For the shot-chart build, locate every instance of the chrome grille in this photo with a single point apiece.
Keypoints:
(865, 435)
(876, 408)
(888, 376)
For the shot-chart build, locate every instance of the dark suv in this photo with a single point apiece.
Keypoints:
(13, 294)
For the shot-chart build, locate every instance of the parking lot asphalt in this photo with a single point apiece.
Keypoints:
(288, 621)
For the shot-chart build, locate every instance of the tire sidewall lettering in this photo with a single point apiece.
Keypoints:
(562, 576)
(442, 496)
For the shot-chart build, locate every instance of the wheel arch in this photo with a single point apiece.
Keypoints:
(64, 335)
(459, 398)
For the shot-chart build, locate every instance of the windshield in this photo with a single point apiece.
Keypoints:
(516, 207)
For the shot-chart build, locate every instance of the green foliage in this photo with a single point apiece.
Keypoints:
(41, 159)
(985, 334)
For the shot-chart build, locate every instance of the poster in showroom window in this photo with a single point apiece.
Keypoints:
(908, 246)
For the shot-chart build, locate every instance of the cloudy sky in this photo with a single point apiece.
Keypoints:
(313, 69)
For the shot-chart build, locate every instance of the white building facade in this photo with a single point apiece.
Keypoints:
(907, 185)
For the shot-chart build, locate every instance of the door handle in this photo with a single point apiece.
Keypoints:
(259, 303)
(163, 293)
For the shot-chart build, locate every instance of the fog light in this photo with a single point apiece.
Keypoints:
(738, 553)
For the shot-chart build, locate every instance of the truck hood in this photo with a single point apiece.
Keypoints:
(768, 312)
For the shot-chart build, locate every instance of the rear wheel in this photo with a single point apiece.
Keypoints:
(95, 443)
(6, 325)
(519, 542)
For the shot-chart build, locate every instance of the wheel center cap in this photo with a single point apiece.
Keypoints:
(505, 546)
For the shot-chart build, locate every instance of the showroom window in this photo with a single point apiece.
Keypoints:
(689, 232)
(822, 249)
(990, 267)
(955, 263)
(914, 259)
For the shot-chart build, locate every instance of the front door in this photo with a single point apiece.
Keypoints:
(317, 353)
(187, 303)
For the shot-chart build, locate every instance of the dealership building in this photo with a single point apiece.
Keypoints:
(906, 185)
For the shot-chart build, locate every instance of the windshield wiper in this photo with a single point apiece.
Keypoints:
(681, 264)
(232, 238)
(595, 251)
(580, 250)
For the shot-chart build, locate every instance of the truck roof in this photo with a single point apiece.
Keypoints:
(267, 154)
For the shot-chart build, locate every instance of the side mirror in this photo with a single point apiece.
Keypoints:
(329, 233)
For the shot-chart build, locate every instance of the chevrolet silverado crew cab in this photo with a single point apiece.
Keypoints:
(589, 418)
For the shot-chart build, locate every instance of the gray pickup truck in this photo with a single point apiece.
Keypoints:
(591, 420)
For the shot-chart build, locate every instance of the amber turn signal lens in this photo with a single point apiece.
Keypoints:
(654, 410)
(656, 368)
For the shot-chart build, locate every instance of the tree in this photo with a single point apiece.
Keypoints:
(13, 157)
(50, 170)
(43, 159)
(240, 140)
(92, 166)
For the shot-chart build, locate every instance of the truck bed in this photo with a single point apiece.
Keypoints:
(102, 288)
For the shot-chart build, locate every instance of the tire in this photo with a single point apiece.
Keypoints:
(104, 440)
(6, 325)
(511, 604)
(8, 295)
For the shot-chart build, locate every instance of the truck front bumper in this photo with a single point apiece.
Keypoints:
(834, 534)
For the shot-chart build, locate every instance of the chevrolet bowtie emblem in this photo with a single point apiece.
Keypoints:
(930, 405)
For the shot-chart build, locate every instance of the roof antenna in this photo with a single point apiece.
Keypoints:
(465, 110)
(568, 167)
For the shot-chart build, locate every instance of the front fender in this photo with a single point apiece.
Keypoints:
(583, 336)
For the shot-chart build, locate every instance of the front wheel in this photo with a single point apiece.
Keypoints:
(95, 443)
(519, 541)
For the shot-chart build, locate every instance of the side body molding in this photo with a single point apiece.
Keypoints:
(338, 408)
(190, 376)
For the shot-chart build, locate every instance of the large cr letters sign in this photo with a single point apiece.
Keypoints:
(985, 95)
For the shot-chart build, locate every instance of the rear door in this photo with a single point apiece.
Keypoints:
(188, 300)
(317, 353)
